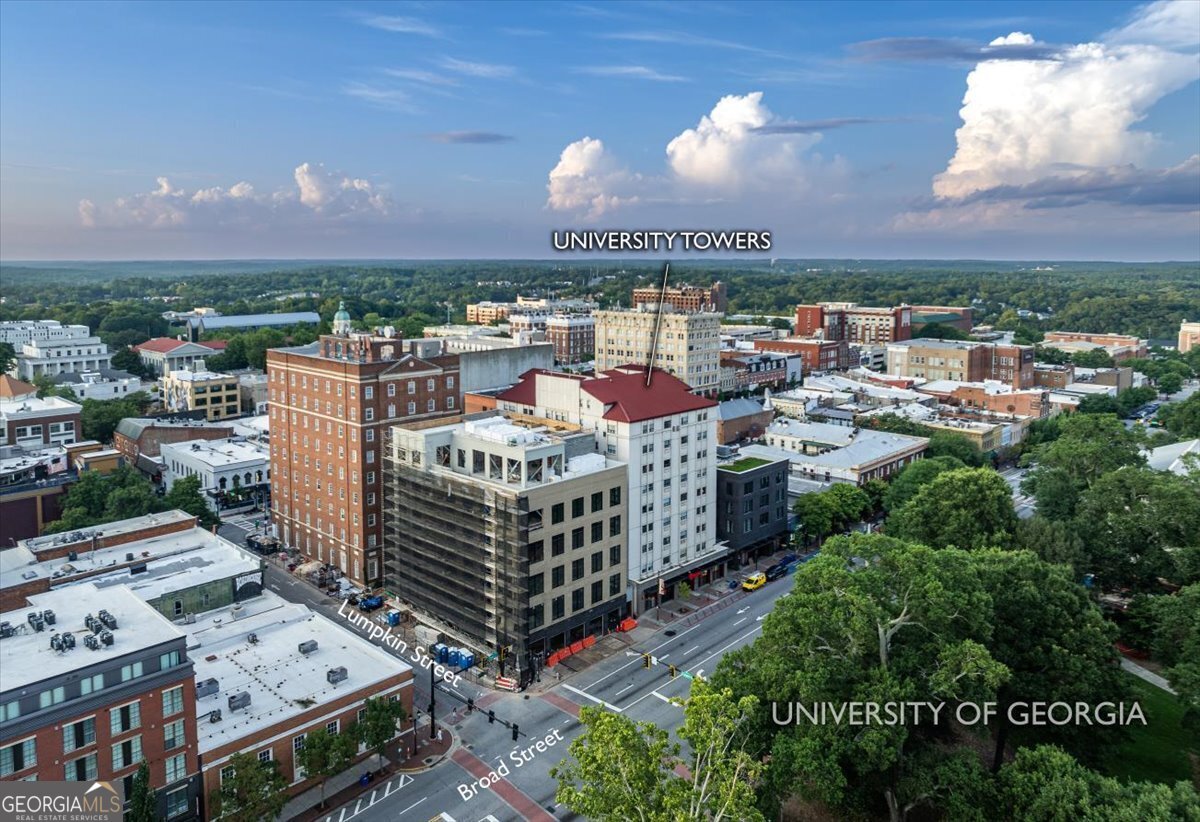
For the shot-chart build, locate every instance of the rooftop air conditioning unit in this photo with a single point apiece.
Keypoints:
(110, 622)
(336, 675)
(215, 715)
(6, 630)
(308, 646)
(91, 641)
(239, 700)
(48, 615)
(206, 687)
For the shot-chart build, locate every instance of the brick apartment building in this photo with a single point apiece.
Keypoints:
(30, 422)
(1046, 375)
(120, 691)
(329, 403)
(962, 361)
(1120, 347)
(815, 354)
(993, 397)
(137, 437)
(854, 323)
(686, 298)
(573, 335)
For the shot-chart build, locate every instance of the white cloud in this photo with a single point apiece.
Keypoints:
(588, 178)
(319, 195)
(1171, 23)
(631, 72)
(726, 151)
(731, 151)
(401, 25)
(486, 70)
(1025, 120)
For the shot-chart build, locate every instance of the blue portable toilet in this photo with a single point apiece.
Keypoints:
(468, 659)
(439, 652)
(454, 656)
(393, 618)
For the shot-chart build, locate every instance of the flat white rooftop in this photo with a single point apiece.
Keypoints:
(217, 453)
(110, 529)
(168, 559)
(27, 658)
(280, 680)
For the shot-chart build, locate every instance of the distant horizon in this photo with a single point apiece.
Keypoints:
(574, 260)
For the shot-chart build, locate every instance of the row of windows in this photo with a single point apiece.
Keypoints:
(558, 605)
(368, 390)
(558, 574)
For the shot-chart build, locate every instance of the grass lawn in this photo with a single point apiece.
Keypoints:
(1156, 751)
(744, 464)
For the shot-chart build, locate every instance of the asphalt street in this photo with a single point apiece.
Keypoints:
(450, 791)
(1024, 504)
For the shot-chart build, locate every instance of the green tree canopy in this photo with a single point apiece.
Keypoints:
(8, 357)
(870, 619)
(904, 486)
(254, 791)
(324, 754)
(963, 507)
(377, 727)
(185, 495)
(1182, 418)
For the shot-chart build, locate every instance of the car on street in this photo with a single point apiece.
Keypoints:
(755, 581)
(776, 571)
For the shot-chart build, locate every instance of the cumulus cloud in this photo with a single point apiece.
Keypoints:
(726, 149)
(588, 178)
(1063, 130)
(319, 195)
(738, 147)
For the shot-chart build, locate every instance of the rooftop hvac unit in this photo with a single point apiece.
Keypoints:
(140, 568)
(239, 700)
(72, 556)
(129, 556)
(106, 637)
(91, 641)
(252, 639)
(110, 621)
(94, 625)
(189, 619)
(6, 630)
(306, 647)
(68, 641)
(336, 675)
(215, 715)
(206, 687)
(236, 611)
(56, 643)
(48, 615)
(36, 620)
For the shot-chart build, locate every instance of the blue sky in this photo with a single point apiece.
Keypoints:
(222, 130)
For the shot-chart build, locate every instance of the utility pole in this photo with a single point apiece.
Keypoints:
(432, 702)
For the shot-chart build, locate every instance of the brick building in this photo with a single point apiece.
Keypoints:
(686, 344)
(30, 422)
(962, 361)
(743, 419)
(854, 323)
(1120, 347)
(92, 683)
(685, 298)
(1046, 375)
(329, 403)
(815, 354)
(1189, 336)
(573, 335)
(136, 437)
(960, 317)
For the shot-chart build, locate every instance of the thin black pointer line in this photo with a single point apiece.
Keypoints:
(657, 324)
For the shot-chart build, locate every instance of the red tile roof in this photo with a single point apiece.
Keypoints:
(632, 401)
(10, 388)
(215, 345)
(162, 345)
(624, 389)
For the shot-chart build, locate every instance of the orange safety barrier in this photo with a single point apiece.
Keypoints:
(627, 624)
(589, 641)
(576, 647)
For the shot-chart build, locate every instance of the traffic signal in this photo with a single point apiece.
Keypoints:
(516, 732)
(673, 670)
(645, 660)
(491, 717)
(470, 704)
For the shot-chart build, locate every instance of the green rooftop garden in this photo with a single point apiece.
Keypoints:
(744, 464)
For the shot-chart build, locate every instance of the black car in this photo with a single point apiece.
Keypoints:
(776, 571)
(787, 559)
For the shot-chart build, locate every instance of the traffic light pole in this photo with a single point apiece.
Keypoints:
(432, 703)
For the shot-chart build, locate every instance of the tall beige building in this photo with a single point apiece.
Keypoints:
(688, 343)
(1189, 336)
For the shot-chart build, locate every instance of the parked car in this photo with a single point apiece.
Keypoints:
(776, 571)
(787, 559)
(754, 581)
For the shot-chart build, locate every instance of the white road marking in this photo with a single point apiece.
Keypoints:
(651, 651)
(598, 701)
(343, 816)
(743, 610)
(688, 651)
(663, 698)
(761, 618)
(626, 688)
(413, 805)
(740, 621)
(664, 656)
(568, 721)
(357, 806)
(731, 644)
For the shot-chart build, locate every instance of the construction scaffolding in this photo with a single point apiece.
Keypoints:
(455, 550)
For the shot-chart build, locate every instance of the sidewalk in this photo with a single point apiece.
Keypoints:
(1154, 679)
(345, 788)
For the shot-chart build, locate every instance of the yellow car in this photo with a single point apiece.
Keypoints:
(754, 581)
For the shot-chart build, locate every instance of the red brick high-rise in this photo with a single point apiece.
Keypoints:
(854, 323)
(330, 404)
